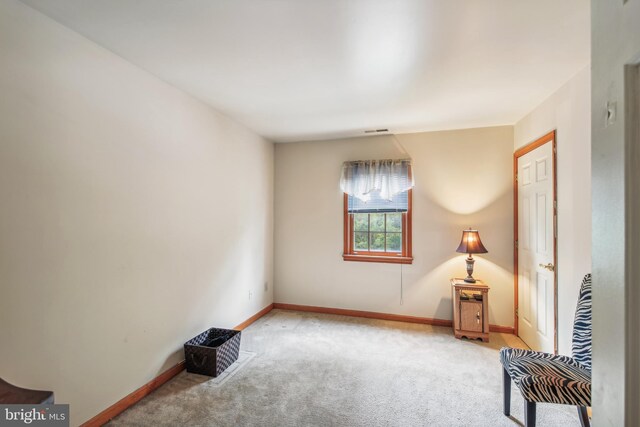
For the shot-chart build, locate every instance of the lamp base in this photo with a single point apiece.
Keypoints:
(470, 262)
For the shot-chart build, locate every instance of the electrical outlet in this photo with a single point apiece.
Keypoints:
(250, 295)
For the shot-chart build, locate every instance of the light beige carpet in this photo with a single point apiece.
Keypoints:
(304, 369)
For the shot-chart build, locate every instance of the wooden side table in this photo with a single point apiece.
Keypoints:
(470, 309)
(12, 395)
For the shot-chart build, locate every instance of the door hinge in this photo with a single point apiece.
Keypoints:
(516, 243)
(516, 177)
(516, 311)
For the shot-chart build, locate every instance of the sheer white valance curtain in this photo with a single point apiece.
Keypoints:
(388, 177)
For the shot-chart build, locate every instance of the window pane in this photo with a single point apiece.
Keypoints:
(377, 222)
(394, 242)
(394, 222)
(377, 241)
(361, 241)
(361, 222)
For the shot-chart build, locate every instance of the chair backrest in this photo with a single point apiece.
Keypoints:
(581, 348)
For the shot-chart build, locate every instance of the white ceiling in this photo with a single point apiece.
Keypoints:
(315, 69)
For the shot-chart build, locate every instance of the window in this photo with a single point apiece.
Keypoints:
(378, 230)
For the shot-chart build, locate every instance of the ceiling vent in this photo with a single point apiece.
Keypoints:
(376, 131)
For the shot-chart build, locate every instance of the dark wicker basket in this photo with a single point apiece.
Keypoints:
(211, 361)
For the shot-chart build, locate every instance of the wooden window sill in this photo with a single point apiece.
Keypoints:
(374, 258)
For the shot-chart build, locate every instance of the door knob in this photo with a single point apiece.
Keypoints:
(549, 266)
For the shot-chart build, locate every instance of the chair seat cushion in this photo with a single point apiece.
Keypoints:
(508, 354)
(552, 380)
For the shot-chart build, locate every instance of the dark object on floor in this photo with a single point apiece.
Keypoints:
(215, 342)
(211, 352)
(12, 395)
(550, 378)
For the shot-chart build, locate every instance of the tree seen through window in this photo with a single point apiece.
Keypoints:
(377, 232)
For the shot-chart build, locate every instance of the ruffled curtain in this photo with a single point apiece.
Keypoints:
(389, 177)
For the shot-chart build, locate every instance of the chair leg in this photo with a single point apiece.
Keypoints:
(529, 414)
(584, 416)
(506, 392)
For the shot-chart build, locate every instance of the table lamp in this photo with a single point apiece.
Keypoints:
(471, 244)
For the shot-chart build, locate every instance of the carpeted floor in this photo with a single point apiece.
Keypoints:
(304, 369)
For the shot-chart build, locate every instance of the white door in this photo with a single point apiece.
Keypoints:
(536, 248)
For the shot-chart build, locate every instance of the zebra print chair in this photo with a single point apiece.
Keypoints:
(550, 378)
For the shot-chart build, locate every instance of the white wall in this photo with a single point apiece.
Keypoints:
(568, 111)
(615, 42)
(463, 178)
(132, 217)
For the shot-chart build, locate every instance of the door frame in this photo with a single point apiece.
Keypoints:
(551, 136)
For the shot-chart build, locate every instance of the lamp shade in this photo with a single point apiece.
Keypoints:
(471, 243)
